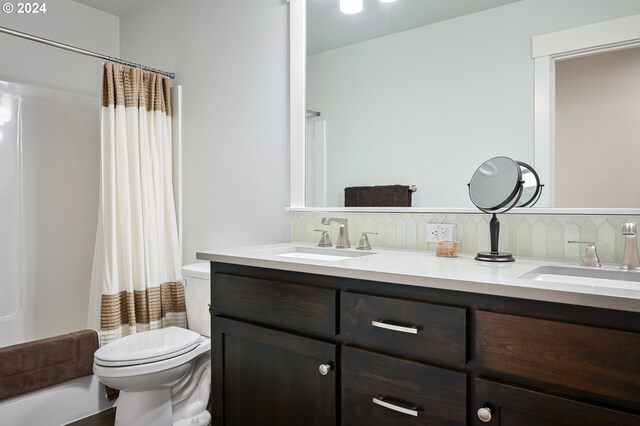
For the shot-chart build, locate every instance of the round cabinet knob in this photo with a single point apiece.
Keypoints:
(484, 414)
(324, 369)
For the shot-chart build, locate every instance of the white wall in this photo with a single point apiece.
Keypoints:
(65, 21)
(445, 97)
(60, 160)
(232, 60)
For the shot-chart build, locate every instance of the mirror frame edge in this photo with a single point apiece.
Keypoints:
(297, 100)
(546, 49)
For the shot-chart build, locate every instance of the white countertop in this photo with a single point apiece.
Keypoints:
(425, 269)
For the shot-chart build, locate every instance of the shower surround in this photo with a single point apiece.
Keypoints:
(48, 206)
(49, 174)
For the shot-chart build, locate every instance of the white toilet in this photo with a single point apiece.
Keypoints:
(164, 376)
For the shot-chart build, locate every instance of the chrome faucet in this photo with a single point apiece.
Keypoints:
(630, 254)
(343, 230)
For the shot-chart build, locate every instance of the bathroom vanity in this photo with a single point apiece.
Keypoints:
(400, 337)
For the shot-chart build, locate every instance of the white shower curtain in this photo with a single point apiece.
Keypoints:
(136, 279)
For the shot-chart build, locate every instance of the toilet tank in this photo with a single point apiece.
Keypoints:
(197, 293)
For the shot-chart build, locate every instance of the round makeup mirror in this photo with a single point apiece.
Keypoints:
(531, 186)
(498, 185)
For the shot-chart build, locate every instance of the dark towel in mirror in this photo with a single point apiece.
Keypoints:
(378, 196)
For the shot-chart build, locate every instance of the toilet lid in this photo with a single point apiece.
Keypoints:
(148, 346)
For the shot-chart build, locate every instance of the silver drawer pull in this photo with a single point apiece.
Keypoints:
(413, 411)
(402, 329)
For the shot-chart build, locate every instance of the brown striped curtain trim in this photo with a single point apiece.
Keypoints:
(133, 87)
(141, 306)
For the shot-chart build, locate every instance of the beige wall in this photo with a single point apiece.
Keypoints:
(598, 130)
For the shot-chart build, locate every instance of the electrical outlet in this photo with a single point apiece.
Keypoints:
(432, 232)
(440, 232)
(446, 232)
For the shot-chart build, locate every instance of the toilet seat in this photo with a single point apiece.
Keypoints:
(148, 347)
(126, 363)
(133, 370)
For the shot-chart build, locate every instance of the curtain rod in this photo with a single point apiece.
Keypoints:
(82, 51)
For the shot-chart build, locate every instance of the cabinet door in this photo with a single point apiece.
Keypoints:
(383, 390)
(505, 405)
(267, 377)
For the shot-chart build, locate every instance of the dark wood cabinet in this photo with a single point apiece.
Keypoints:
(514, 406)
(599, 365)
(267, 377)
(571, 356)
(405, 355)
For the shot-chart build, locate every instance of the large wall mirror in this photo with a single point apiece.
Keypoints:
(418, 92)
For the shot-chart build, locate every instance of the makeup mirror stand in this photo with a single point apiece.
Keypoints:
(494, 255)
(497, 186)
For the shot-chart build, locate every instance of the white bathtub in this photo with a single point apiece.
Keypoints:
(56, 405)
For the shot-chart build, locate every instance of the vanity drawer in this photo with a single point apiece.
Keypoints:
(417, 330)
(382, 390)
(515, 406)
(590, 359)
(292, 306)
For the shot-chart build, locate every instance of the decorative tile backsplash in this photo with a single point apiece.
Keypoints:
(525, 235)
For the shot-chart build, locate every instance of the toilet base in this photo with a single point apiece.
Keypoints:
(144, 408)
(162, 393)
(190, 395)
(203, 419)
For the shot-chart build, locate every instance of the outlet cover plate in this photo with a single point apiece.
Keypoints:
(446, 232)
(440, 232)
(432, 232)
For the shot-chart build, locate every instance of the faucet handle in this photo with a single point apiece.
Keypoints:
(629, 228)
(364, 241)
(590, 255)
(325, 241)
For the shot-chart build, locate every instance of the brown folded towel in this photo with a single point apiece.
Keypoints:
(378, 196)
(30, 366)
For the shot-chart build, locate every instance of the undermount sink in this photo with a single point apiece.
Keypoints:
(581, 276)
(320, 253)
